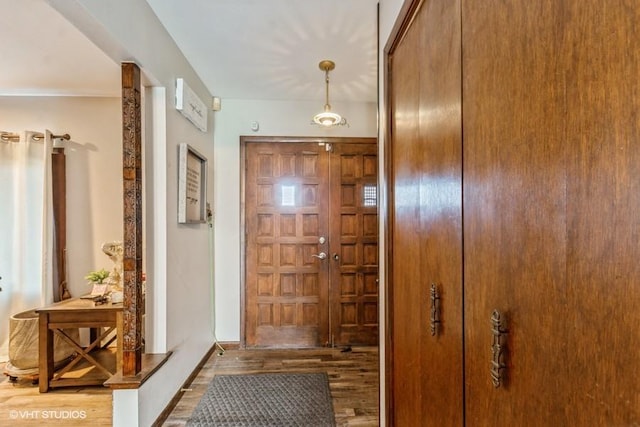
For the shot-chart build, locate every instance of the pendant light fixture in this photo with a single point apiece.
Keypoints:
(328, 118)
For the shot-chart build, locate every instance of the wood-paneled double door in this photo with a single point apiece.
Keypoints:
(514, 214)
(311, 242)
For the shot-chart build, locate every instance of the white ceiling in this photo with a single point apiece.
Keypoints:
(41, 53)
(243, 49)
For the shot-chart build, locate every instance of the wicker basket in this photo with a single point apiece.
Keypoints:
(23, 341)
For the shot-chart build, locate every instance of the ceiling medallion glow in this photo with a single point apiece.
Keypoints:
(328, 118)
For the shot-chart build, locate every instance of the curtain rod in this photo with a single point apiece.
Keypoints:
(14, 137)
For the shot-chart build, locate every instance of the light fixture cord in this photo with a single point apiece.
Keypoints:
(327, 107)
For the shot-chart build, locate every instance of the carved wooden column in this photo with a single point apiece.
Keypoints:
(132, 241)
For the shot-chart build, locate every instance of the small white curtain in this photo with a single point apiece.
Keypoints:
(25, 228)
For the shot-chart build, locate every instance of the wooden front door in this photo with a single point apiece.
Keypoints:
(354, 244)
(298, 249)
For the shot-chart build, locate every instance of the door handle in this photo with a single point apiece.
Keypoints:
(434, 319)
(498, 347)
(321, 255)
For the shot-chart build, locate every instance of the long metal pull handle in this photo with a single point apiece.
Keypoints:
(498, 363)
(435, 310)
(321, 255)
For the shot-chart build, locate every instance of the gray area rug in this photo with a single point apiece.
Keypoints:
(266, 400)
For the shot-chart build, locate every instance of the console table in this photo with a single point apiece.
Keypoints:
(76, 313)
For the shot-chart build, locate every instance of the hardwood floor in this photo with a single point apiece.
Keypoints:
(353, 378)
(21, 404)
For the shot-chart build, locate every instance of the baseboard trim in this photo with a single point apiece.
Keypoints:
(228, 345)
(176, 398)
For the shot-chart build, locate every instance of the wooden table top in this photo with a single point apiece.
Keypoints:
(79, 304)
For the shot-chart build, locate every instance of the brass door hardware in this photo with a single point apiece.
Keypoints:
(435, 310)
(498, 347)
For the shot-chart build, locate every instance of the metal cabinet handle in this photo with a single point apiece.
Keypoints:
(498, 347)
(434, 320)
(321, 255)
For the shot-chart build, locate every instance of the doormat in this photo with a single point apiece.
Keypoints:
(266, 400)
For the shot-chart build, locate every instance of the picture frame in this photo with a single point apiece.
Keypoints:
(192, 185)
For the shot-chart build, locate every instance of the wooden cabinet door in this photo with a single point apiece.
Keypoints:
(602, 62)
(551, 202)
(354, 244)
(286, 215)
(515, 212)
(425, 350)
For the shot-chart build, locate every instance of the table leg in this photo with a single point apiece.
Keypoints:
(94, 333)
(45, 352)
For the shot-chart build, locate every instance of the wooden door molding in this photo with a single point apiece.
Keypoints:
(245, 141)
(400, 28)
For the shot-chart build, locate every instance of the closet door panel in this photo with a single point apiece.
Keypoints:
(515, 211)
(440, 128)
(405, 290)
(426, 220)
(603, 131)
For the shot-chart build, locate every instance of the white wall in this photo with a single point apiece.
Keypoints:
(389, 10)
(128, 30)
(94, 171)
(275, 118)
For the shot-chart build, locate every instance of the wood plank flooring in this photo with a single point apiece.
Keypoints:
(21, 404)
(353, 378)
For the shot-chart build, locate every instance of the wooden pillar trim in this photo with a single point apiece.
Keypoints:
(132, 239)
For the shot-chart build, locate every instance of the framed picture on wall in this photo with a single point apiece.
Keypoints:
(192, 186)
